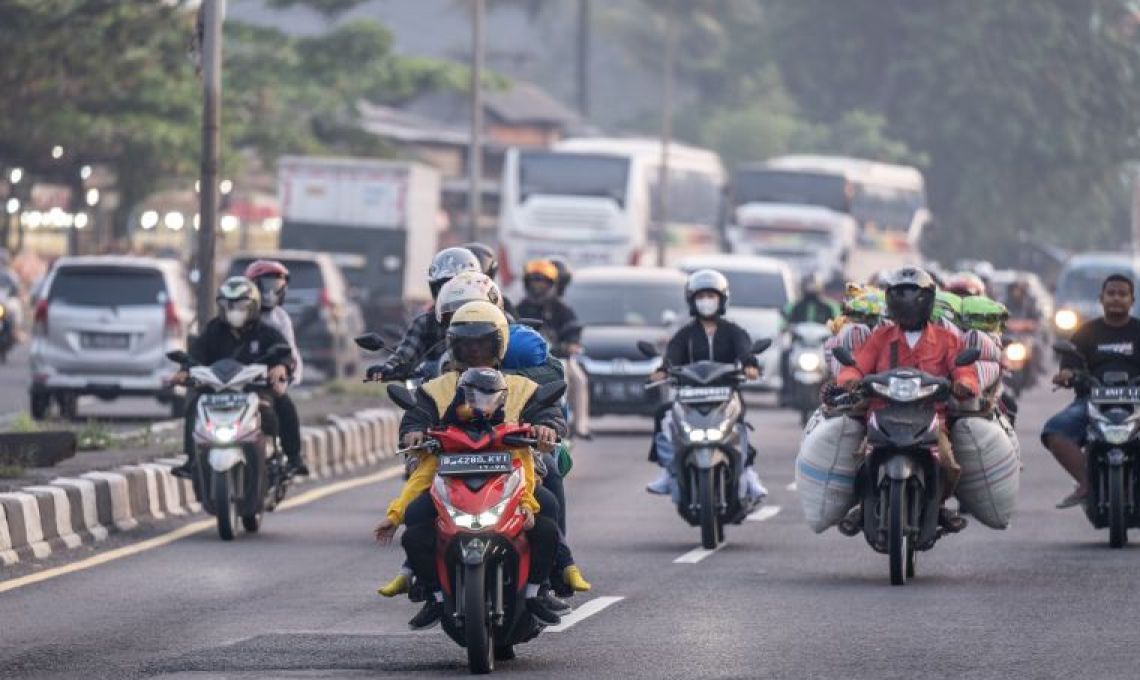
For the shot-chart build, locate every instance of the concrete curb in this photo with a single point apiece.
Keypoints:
(37, 521)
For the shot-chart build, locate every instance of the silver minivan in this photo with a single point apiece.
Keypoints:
(102, 326)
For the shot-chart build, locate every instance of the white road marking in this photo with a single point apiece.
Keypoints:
(765, 513)
(584, 612)
(791, 487)
(191, 529)
(694, 556)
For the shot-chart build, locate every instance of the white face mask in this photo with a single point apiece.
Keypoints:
(708, 306)
(237, 317)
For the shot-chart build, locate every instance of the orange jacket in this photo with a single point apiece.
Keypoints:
(934, 353)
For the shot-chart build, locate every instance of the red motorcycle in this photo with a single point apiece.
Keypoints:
(482, 556)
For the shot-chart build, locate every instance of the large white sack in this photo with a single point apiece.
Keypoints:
(991, 470)
(826, 468)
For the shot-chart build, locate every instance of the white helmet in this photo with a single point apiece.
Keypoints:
(463, 288)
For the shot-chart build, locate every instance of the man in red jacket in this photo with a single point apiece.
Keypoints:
(913, 342)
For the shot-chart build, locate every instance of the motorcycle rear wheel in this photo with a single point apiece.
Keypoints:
(1117, 518)
(477, 621)
(897, 543)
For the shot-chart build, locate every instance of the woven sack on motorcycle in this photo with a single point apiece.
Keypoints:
(988, 365)
(826, 468)
(852, 336)
(991, 470)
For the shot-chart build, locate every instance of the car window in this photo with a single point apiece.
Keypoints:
(611, 303)
(108, 287)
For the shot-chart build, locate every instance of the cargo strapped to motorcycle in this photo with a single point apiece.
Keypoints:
(474, 464)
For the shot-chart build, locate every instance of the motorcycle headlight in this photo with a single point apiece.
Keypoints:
(697, 435)
(1066, 319)
(484, 520)
(1117, 434)
(904, 389)
(226, 434)
(1016, 352)
(809, 361)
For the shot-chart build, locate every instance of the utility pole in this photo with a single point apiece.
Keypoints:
(666, 134)
(211, 46)
(584, 58)
(475, 151)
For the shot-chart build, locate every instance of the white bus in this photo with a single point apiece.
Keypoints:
(593, 201)
(888, 201)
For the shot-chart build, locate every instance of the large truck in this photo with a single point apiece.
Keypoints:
(379, 219)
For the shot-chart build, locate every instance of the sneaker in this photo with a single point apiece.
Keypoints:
(554, 603)
(751, 487)
(397, 586)
(429, 616)
(572, 577)
(185, 470)
(1072, 500)
(662, 486)
(298, 469)
(539, 610)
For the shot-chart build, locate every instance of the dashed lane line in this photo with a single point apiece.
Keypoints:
(695, 556)
(765, 513)
(594, 606)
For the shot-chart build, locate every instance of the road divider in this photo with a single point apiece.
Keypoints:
(38, 521)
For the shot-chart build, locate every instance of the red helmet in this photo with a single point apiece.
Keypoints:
(271, 278)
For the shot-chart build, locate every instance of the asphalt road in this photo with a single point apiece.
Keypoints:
(1045, 599)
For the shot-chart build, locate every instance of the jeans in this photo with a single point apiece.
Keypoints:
(1071, 422)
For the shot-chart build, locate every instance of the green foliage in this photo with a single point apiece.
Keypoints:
(94, 436)
(24, 424)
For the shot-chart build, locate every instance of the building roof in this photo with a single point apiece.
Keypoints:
(520, 103)
(407, 126)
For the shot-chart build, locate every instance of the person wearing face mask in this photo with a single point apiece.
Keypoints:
(239, 333)
(561, 329)
(272, 280)
(708, 337)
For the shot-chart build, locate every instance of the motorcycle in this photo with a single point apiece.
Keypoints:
(240, 470)
(1112, 450)
(482, 555)
(1021, 355)
(7, 331)
(808, 367)
(710, 446)
(901, 480)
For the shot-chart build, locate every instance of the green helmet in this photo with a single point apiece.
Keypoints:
(866, 308)
(983, 314)
(947, 307)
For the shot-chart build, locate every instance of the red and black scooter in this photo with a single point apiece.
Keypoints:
(482, 557)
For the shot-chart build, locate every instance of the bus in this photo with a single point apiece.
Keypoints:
(594, 201)
(888, 201)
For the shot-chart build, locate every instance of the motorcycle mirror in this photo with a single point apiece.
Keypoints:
(648, 349)
(371, 342)
(761, 346)
(179, 357)
(401, 397)
(843, 356)
(967, 356)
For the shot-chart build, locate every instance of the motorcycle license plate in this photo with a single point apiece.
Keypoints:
(474, 464)
(224, 400)
(697, 395)
(1115, 395)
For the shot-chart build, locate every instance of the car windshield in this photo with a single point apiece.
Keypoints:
(623, 303)
(303, 274)
(756, 289)
(108, 287)
(573, 174)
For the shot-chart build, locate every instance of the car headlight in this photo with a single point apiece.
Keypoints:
(1066, 319)
(1117, 434)
(808, 361)
(1016, 352)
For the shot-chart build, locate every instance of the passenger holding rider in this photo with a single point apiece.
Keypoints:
(1110, 343)
(708, 337)
(477, 339)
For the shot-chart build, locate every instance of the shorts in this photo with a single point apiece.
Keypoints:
(1071, 422)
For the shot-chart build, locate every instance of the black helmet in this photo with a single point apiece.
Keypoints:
(484, 390)
(565, 275)
(488, 262)
(447, 263)
(706, 279)
(910, 297)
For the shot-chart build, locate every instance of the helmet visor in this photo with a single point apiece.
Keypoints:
(483, 400)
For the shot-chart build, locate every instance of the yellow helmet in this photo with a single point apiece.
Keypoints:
(478, 335)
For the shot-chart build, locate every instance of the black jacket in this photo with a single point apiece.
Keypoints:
(219, 341)
(557, 319)
(730, 344)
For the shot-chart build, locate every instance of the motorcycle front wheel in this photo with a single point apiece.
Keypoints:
(1117, 518)
(225, 507)
(477, 621)
(706, 495)
(898, 545)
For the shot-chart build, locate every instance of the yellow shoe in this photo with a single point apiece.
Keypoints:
(397, 586)
(572, 576)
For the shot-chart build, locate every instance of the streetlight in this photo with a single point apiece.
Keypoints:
(149, 220)
(174, 221)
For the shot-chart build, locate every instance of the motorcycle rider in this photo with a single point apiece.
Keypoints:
(239, 333)
(477, 339)
(272, 280)
(565, 275)
(708, 337)
(561, 329)
(912, 341)
(966, 284)
(812, 307)
(862, 313)
(424, 338)
(1110, 343)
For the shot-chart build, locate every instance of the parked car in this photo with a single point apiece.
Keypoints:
(618, 306)
(325, 319)
(760, 287)
(102, 326)
(1077, 298)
